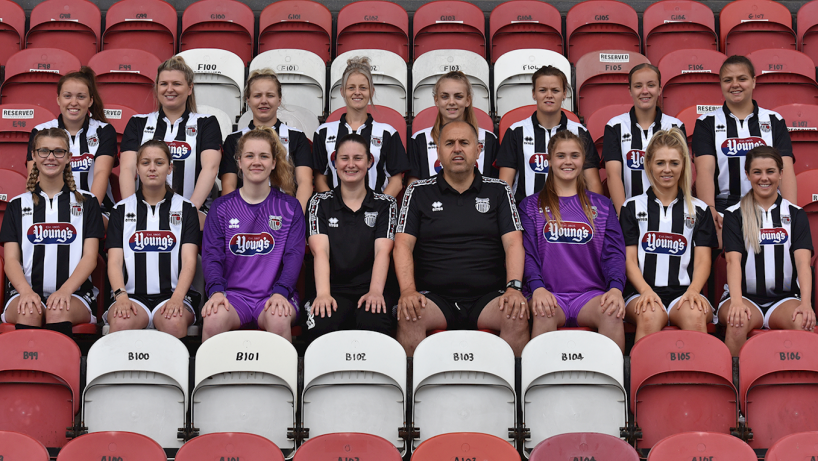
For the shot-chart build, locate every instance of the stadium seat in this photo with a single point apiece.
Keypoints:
(783, 77)
(449, 24)
(112, 446)
(225, 122)
(800, 445)
(294, 116)
(572, 381)
(512, 77)
(427, 117)
(516, 24)
(702, 446)
(137, 381)
(379, 114)
(373, 24)
(355, 381)
(602, 78)
(16, 123)
(807, 26)
(239, 390)
(463, 381)
(465, 446)
(347, 446)
(39, 384)
(389, 77)
(597, 25)
(218, 79)
(681, 381)
(807, 187)
(12, 184)
(428, 68)
(690, 78)
(12, 30)
(583, 445)
(70, 25)
(32, 76)
(778, 373)
(688, 116)
(148, 25)
(296, 24)
(223, 24)
(802, 123)
(16, 446)
(520, 113)
(597, 121)
(302, 75)
(229, 446)
(749, 25)
(118, 116)
(672, 25)
(127, 77)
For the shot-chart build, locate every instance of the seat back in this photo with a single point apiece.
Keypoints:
(344, 445)
(16, 446)
(597, 25)
(808, 190)
(523, 112)
(111, 446)
(296, 24)
(465, 445)
(225, 122)
(783, 77)
(218, 79)
(246, 381)
(70, 25)
(379, 114)
(148, 25)
(793, 446)
(807, 27)
(597, 121)
(672, 25)
(118, 116)
(583, 445)
(32, 76)
(602, 79)
(229, 445)
(802, 123)
(126, 77)
(12, 30)
(389, 77)
(137, 381)
(302, 75)
(223, 24)
(512, 77)
(12, 184)
(690, 78)
(427, 69)
(702, 445)
(427, 117)
(751, 25)
(463, 381)
(16, 123)
(292, 115)
(449, 24)
(373, 23)
(572, 381)
(516, 24)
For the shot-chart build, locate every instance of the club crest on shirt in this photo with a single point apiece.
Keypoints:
(370, 217)
(275, 222)
(93, 141)
(738, 147)
(482, 204)
(568, 232)
(76, 209)
(481, 145)
(594, 212)
(765, 127)
(191, 131)
(152, 241)
(377, 141)
(284, 139)
(786, 220)
(664, 243)
(690, 220)
(175, 218)
(773, 236)
(61, 233)
(246, 244)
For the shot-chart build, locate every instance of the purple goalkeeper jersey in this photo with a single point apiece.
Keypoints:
(256, 250)
(576, 257)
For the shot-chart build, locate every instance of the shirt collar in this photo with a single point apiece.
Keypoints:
(141, 198)
(476, 184)
(652, 196)
(563, 121)
(368, 121)
(729, 114)
(39, 191)
(657, 121)
(338, 200)
(61, 124)
(162, 115)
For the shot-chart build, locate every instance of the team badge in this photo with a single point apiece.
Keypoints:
(190, 131)
(370, 217)
(93, 141)
(482, 204)
(481, 145)
(285, 139)
(765, 126)
(690, 220)
(76, 209)
(377, 141)
(786, 220)
(175, 218)
(275, 222)
(594, 212)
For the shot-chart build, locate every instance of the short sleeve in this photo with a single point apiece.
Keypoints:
(397, 161)
(210, 134)
(132, 137)
(114, 237)
(92, 219)
(732, 235)
(801, 236)
(409, 218)
(385, 224)
(317, 218)
(611, 148)
(703, 141)
(781, 137)
(415, 157)
(681, 126)
(10, 231)
(591, 155)
(107, 141)
(490, 148)
(508, 218)
(704, 235)
(190, 219)
(300, 150)
(507, 155)
(630, 226)
(319, 153)
(228, 162)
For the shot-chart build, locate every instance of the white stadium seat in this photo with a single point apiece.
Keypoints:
(294, 116)
(512, 77)
(389, 77)
(137, 382)
(431, 65)
(463, 381)
(225, 122)
(572, 381)
(246, 381)
(218, 79)
(355, 381)
(302, 75)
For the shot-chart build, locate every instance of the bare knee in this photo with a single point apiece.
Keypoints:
(653, 319)
(176, 326)
(215, 324)
(121, 324)
(279, 325)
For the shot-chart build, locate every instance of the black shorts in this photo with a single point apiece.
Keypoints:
(666, 294)
(462, 314)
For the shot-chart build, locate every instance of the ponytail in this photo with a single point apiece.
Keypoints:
(87, 77)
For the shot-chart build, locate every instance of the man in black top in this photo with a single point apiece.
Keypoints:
(459, 251)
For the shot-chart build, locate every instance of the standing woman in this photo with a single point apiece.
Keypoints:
(194, 139)
(523, 157)
(51, 235)
(253, 244)
(153, 243)
(453, 97)
(627, 135)
(768, 246)
(92, 140)
(390, 159)
(669, 237)
(575, 230)
(263, 92)
(723, 138)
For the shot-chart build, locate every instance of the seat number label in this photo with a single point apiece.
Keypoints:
(790, 355)
(30, 356)
(571, 356)
(680, 356)
(138, 356)
(246, 356)
(463, 357)
(356, 357)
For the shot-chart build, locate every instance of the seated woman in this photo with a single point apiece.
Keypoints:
(51, 236)
(153, 243)
(352, 231)
(669, 237)
(574, 251)
(253, 245)
(768, 246)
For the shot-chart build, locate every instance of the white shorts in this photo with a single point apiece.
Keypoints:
(145, 303)
(768, 307)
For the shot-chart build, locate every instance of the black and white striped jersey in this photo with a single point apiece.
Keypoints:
(423, 154)
(151, 239)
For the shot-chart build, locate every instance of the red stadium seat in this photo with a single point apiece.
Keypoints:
(520, 113)
(807, 187)
(596, 122)
(690, 78)
(70, 25)
(596, 25)
(672, 25)
(369, 24)
(688, 117)
(808, 29)
(681, 381)
(112, 446)
(812, 216)
(14, 446)
(221, 24)
(39, 384)
(296, 24)
(602, 79)
(427, 117)
(126, 77)
(16, 123)
(465, 445)
(12, 30)
(118, 116)
(32, 76)
(229, 445)
(148, 25)
(702, 446)
(516, 24)
(797, 446)
(778, 372)
(802, 122)
(749, 25)
(783, 77)
(449, 25)
(346, 445)
(583, 445)
(12, 184)
(380, 114)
